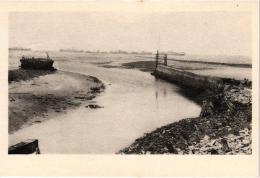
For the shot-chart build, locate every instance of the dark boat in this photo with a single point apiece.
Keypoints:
(26, 147)
(37, 63)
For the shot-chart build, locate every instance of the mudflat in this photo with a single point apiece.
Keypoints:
(35, 96)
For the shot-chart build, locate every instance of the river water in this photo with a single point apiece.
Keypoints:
(134, 103)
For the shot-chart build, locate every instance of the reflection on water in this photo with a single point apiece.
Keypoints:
(164, 92)
(134, 103)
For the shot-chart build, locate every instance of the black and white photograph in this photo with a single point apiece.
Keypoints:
(130, 83)
(122, 88)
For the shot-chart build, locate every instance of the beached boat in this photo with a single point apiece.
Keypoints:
(30, 146)
(37, 63)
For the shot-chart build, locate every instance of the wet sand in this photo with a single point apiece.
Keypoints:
(145, 66)
(36, 96)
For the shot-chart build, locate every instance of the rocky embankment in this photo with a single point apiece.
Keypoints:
(223, 127)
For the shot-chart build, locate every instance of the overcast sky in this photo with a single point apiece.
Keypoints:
(191, 32)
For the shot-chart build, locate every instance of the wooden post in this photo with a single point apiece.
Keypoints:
(165, 59)
(156, 59)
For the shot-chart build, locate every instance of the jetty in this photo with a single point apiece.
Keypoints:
(223, 126)
(189, 79)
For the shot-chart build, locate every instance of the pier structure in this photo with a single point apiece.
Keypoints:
(160, 59)
(184, 78)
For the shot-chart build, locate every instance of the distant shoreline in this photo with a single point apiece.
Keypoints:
(20, 49)
(214, 63)
(245, 65)
(143, 54)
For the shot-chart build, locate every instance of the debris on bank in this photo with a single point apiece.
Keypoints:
(94, 106)
(230, 144)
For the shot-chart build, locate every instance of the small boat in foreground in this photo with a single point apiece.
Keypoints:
(30, 146)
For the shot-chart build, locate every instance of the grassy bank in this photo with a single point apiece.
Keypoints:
(35, 96)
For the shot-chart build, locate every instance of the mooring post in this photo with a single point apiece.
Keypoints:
(165, 59)
(156, 59)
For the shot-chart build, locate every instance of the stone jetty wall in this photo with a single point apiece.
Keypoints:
(188, 79)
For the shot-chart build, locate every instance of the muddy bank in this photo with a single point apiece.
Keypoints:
(22, 74)
(35, 96)
(223, 127)
(145, 66)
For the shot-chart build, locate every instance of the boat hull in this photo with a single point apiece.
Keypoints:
(25, 147)
(37, 63)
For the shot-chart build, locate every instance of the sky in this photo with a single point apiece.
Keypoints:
(222, 33)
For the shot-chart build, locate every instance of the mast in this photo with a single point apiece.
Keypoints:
(159, 43)
(48, 57)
